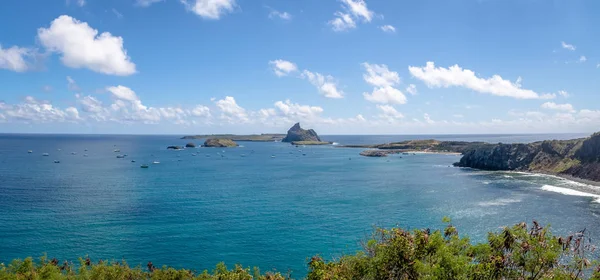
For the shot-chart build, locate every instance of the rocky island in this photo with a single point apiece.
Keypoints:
(411, 146)
(267, 137)
(578, 158)
(298, 136)
(219, 143)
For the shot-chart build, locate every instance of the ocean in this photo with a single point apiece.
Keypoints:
(270, 205)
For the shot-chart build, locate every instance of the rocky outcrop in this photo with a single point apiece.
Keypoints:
(219, 143)
(190, 145)
(296, 133)
(578, 157)
(174, 148)
(379, 153)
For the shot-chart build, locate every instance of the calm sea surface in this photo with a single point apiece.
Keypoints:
(242, 205)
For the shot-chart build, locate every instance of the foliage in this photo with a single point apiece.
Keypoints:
(518, 252)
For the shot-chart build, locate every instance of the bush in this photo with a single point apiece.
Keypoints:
(518, 252)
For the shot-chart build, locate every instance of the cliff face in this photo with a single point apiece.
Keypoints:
(296, 133)
(578, 157)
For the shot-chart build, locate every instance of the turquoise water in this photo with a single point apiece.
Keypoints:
(241, 205)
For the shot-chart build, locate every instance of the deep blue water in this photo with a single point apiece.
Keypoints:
(240, 205)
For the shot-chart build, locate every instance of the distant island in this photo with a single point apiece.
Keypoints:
(295, 135)
(240, 138)
(298, 136)
(411, 146)
(219, 143)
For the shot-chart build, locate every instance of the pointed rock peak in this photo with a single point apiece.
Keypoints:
(296, 133)
(296, 126)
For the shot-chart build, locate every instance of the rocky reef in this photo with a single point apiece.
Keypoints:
(190, 145)
(296, 133)
(219, 143)
(578, 158)
(174, 148)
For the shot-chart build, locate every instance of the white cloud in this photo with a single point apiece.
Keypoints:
(388, 28)
(563, 93)
(72, 85)
(201, 111)
(123, 93)
(16, 58)
(210, 9)
(582, 59)
(354, 10)
(117, 14)
(231, 111)
(412, 89)
(283, 67)
(81, 3)
(560, 107)
(568, 46)
(388, 112)
(38, 111)
(459, 77)
(325, 84)
(428, 119)
(146, 3)
(281, 15)
(385, 95)
(82, 47)
(380, 76)
(342, 22)
(358, 8)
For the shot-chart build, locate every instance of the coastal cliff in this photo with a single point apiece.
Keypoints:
(578, 158)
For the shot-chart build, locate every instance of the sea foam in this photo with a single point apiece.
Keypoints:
(572, 192)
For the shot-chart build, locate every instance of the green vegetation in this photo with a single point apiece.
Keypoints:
(518, 252)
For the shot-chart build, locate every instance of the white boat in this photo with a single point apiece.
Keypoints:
(45, 154)
(156, 162)
(120, 156)
(272, 156)
(117, 151)
(73, 153)
(144, 166)
(30, 151)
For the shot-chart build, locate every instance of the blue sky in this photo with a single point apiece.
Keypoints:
(339, 66)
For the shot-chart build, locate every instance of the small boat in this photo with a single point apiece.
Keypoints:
(125, 155)
(57, 161)
(45, 154)
(73, 153)
(156, 162)
(117, 151)
(272, 156)
(85, 155)
(132, 160)
(85, 150)
(303, 154)
(30, 151)
(144, 166)
(120, 156)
